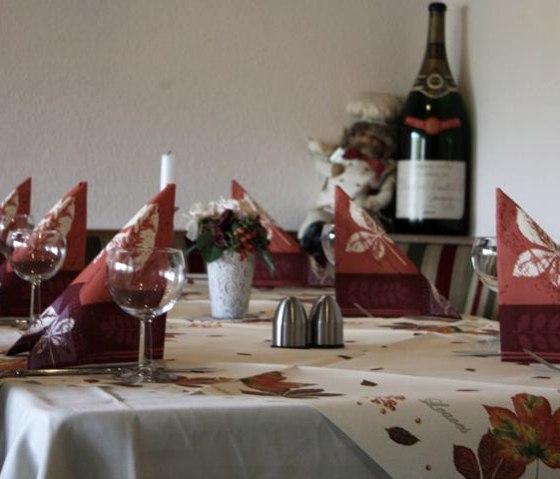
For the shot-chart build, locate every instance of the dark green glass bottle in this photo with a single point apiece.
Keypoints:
(434, 157)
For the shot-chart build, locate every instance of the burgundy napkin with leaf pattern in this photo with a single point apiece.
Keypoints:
(292, 265)
(529, 284)
(373, 276)
(84, 325)
(18, 202)
(68, 215)
(290, 262)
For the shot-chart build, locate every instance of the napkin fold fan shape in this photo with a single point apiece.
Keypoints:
(290, 261)
(84, 325)
(373, 276)
(68, 215)
(529, 284)
(18, 202)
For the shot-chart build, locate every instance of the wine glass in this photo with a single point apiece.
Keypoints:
(327, 241)
(484, 258)
(12, 222)
(145, 283)
(35, 255)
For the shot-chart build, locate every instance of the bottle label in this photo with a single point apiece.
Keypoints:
(432, 125)
(434, 85)
(430, 189)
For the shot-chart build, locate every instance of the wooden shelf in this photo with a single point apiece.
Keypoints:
(432, 239)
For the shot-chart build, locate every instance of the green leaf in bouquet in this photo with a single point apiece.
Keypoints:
(205, 238)
(211, 253)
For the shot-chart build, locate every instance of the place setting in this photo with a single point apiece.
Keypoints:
(124, 321)
(132, 277)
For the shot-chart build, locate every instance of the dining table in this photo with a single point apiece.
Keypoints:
(405, 397)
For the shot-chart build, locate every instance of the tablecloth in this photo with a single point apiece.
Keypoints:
(405, 397)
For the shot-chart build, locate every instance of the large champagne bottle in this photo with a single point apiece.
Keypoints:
(433, 167)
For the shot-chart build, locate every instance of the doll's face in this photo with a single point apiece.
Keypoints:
(372, 140)
(368, 143)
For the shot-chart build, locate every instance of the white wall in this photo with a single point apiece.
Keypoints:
(515, 74)
(98, 89)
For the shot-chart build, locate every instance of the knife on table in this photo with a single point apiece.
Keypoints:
(92, 371)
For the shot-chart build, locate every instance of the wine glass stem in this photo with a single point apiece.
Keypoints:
(35, 304)
(145, 358)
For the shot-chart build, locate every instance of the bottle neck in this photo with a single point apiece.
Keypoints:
(435, 57)
(434, 79)
(436, 29)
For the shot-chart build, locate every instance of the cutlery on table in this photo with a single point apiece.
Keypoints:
(91, 371)
(542, 361)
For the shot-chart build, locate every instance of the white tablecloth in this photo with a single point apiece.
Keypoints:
(398, 401)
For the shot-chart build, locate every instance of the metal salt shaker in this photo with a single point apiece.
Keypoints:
(326, 324)
(290, 325)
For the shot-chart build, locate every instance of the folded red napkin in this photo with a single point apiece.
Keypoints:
(18, 202)
(373, 275)
(529, 284)
(290, 262)
(69, 215)
(84, 325)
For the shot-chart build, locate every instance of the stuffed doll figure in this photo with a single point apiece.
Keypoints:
(362, 165)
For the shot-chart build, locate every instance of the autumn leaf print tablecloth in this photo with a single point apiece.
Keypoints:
(404, 398)
(433, 428)
(423, 398)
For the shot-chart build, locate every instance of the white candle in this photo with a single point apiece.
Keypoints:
(167, 174)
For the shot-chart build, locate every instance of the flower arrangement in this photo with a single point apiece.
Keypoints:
(227, 225)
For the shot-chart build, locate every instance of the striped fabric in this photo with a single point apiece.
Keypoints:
(448, 267)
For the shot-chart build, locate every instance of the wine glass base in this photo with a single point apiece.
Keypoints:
(493, 343)
(22, 324)
(139, 375)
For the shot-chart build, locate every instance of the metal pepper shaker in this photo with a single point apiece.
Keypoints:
(326, 323)
(290, 324)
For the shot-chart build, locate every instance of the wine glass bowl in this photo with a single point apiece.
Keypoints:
(35, 256)
(145, 283)
(484, 258)
(12, 222)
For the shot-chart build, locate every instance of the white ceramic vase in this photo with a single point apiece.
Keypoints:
(229, 283)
